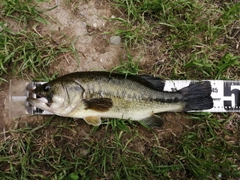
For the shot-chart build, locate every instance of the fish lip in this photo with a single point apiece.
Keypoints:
(36, 102)
(38, 97)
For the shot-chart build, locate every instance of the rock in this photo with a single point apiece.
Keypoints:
(1, 28)
(115, 40)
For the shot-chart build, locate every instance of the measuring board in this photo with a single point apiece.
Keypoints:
(225, 94)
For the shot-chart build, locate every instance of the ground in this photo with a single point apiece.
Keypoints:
(184, 147)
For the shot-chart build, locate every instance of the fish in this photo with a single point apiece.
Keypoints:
(93, 95)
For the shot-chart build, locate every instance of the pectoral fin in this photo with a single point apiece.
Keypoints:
(98, 104)
(153, 121)
(93, 120)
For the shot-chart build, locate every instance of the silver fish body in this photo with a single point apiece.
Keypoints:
(96, 95)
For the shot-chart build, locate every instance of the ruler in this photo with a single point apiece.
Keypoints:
(225, 94)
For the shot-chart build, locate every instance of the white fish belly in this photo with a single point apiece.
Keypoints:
(133, 113)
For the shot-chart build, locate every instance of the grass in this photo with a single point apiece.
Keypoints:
(190, 32)
(128, 65)
(202, 156)
(25, 50)
(55, 149)
(197, 41)
(23, 12)
(18, 58)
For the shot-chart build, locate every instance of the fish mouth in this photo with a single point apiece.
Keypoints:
(34, 101)
(38, 100)
(41, 103)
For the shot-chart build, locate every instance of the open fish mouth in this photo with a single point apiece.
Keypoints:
(41, 103)
(37, 97)
(38, 101)
(41, 100)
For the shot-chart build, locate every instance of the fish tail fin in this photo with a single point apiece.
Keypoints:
(197, 96)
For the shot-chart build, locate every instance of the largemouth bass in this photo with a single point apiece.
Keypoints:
(95, 95)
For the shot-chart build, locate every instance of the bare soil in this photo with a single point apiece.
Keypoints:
(87, 25)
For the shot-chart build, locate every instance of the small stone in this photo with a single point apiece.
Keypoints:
(115, 40)
(95, 25)
(1, 28)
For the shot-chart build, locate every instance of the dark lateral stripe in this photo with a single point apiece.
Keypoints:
(168, 100)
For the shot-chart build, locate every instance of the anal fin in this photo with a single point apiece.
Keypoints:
(93, 120)
(153, 121)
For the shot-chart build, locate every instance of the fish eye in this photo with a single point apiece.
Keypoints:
(46, 87)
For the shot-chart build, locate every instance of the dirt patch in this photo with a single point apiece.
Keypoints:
(86, 25)
(3, 113)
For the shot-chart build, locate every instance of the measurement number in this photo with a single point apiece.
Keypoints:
(231, 95)
(214, 90)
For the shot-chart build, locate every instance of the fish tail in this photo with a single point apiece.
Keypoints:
(197, 96)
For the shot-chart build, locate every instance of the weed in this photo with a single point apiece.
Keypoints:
(73, 5)
(25, 51)
(201, 157)
(215, 70)
(24, 12)
(128, 66)
(28, 57)
(190, 30)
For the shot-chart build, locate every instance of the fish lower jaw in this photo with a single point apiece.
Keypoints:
(40, 103)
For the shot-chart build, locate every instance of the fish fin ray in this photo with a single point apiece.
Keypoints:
(197, 96)
(93, 120)
(153, 121)
(98, 104)
(154, 83)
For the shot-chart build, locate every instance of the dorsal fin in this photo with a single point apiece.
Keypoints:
(149, 81)
(146, 80)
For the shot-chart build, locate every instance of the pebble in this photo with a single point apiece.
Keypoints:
(95, 25)
(115, 40)
(1, 28)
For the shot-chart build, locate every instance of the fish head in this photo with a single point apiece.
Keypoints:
(57, 96)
